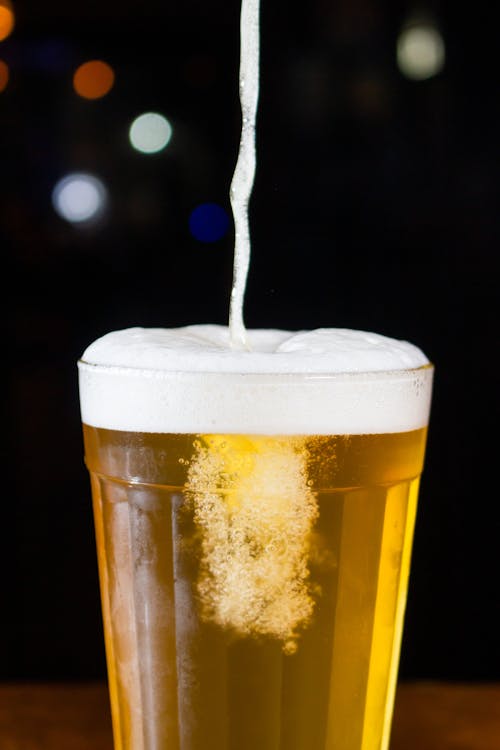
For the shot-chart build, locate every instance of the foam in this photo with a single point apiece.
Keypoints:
(309, 382)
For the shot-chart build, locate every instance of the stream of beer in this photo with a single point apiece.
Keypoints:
(244, 173)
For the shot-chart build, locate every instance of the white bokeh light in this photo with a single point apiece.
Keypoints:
(79, 197)
(420, 52)
(150, 133)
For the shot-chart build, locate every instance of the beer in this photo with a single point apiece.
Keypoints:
(254, 500)
(253, 563)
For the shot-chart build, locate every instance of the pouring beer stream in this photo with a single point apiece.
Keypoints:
(244, 174)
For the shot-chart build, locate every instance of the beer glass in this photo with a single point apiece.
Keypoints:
(254, 534)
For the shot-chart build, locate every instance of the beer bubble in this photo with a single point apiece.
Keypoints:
(255, 526)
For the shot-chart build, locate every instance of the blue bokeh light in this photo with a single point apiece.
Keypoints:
(208, 222)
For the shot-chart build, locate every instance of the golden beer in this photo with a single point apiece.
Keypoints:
(322, 679)
(253, 582)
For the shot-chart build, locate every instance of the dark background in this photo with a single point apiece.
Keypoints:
(374, 207)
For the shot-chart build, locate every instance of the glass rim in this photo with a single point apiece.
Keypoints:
(162, 373)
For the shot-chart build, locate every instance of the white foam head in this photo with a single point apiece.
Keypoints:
(189, 380)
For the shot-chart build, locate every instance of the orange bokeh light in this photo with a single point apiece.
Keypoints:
(6, 19)
(93, 79)
(4, 75)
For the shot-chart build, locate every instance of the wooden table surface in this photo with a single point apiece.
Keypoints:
(428, 716)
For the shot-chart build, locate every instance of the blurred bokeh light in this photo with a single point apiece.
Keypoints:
(6, 19)
(93, 79)
(4, 75)
(79, 198)
(208, 222)
(420, 51)
(150, 133)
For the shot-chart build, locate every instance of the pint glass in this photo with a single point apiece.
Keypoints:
(253, 568)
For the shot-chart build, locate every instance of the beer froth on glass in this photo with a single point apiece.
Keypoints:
(254, 514)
